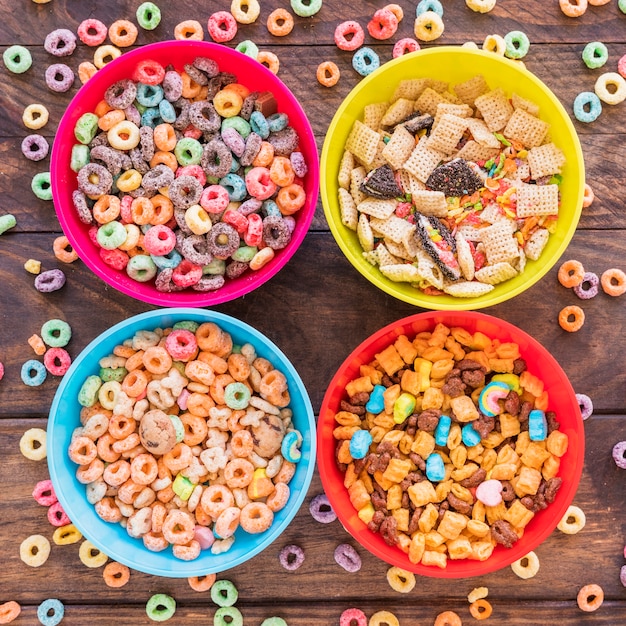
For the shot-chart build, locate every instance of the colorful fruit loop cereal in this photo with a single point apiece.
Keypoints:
(35, 550)
(527, 566)
(447, 201)
(9, 611)
(50, 612)
(195, 452)
(438, 432)
(213, 168)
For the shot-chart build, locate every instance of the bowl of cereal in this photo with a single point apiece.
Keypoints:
(189, 408)
(452, 178)
(185, 173)
(450, 444)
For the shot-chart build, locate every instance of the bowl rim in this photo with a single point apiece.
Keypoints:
(146, 292)
(339, 231)
(80, 512)
(332, 478)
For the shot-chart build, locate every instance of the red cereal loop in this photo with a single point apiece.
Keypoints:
(43, 493)
(222, 26)
(349, 35)
(57, 361)
(352, 617)
(383, 24)
(149, 72)
(186, 274)
(92, 32)
(181, 344)
(117, 259)
(404, 46)
(57, 516)
(621, 66)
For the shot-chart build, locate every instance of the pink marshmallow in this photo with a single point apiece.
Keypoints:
(489, 492)
(204, 536)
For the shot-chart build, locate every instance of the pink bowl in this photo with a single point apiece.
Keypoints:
(250, 73)
(562, 400)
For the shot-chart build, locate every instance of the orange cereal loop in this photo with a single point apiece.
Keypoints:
(195, 428)
(134, 383)
(238, 367)
(480, 609)
(613, 282)
(571, 273)
(165, 137)
(571, 318)
(281, 171)
(202, 583)
(9, 611)
(291, 199)
(110, 119)
(190, 30)
(63, 250)
(588, 196)
(269, 59)
(280, 22)
(190, 87)
(123, 33)
(396, 9)
(106, 209)
(239, 89)
(163, 209)
(573, 8)
(448, 618)
(86, 70)
(328, 74)
(165, 158)
(102, 108)
(142, 211)
(115, 574)
(590, 598)
(157, 360)
(265, 155)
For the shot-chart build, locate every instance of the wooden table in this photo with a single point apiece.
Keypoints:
(317, 309)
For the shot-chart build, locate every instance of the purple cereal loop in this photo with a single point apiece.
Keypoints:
(59, 77)
(249, 206)
(132, 115)
(203, 116)
(79, 199)
(585, 404)
(619, 454)
(291, 557)
(247, 108)
(159, 176)
(219, 248)
(206, 65)
(588, 288)
(89, 188)
(184, 191)
(121, 95)
(35, 147)
(253, 145)
(60, 42)
(195, 249)
(209, 283)
(347, 557)
(236, 268)
(112, 159)
(234, 141)
(146, 142)
(284, 141)
(164, 283)
(298, 164)
(321, 509)
(196, 75)
(350, 616)
(216, 159)
(622, 575)
(276, 233)
(49, 281)
(172, 86)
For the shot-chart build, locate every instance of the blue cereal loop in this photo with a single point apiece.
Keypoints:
(167, 111)
(270, 209)
(435, 470)
(259, 124)
(587, 99)
(151, 117)
(169, 260)
(235, 186)
(360, 443)
(277, 122)
(289, 447)
(33, 373)
(429, 5)
(376, 403)
(149, 95)
(443, 430)
(50, 612)
(537, 425)
(365, 61)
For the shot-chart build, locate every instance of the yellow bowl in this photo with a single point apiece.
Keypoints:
(455, 65)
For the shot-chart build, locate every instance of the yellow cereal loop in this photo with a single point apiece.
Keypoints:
(105, 54)
(66, 535)
(495, 43)
(400, 580)
(35, 550)
(33, 444)
(527, 566)
(33, 266)
(227, 103)
(35, 116)
(383, 618)
(90, 555)
(480, 6)
(478, 593)
(428, 26)
(573, 521)
(245, 11)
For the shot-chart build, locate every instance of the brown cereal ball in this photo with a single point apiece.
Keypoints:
(157, 432)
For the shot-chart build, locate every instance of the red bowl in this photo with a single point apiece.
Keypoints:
(249, 72)
(562, 400)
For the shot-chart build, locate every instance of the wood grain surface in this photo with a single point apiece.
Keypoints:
(317, 309)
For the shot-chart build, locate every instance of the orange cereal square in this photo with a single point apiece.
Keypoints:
(405, 349)
(390, 360)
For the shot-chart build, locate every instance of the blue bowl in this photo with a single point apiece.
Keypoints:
(112, 539)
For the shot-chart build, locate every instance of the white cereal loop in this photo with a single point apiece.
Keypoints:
(34, 550)
(527, 566)
(573, 521)
(33, 444)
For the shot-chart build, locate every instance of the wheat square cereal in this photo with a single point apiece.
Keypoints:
(398, 111)
(394, 228)
(446, 136)
(373, 113)
(482, 134)
(464, 256)
(495, 109)
(537, 200)
(423, 160)
(428, 101)
(472, 151)
(430, 202)
(399, 147)
(357, 176)
(522, 172)
(384, 255)
(379, 160)
(411, 88)
(345, 167)
(371, 256)
(374, 207)
(363, 142)
(398, 250)
(364, 233)
(471, 89)
(500, 244)
(460, 110)
(470, 232)
(526, 128)
(522, 103)
(536, 243)
(494, 274)
(545, 160)
(409, 183)
(347, 209)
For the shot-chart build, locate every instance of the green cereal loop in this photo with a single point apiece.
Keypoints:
(148, 15)
(517, 44)
(41, 186)
(192, 327)
(108, 374)
(215, 267)
(224, 593)
(86, 127)
(236, 396)
(80, 157)
(306, 8)
(56, 333)
(111, 235)
(7, 221)
(17, 59)
(238, 123)
(179, 428)
(595, 55)
(622, 5)
(160, 607)
(244, 253)
(188, 151)
(180, 366)
(274, 621)
(141, 268)
(231, 612)
(248, 47)
(88, 393)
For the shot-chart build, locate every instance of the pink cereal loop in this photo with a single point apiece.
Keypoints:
(57, 516)
(349, 35)
(181, 344)
(92, 32)
(621, 66)
(383, 24)
(222, 26)
(149, 72)
(404, 46)
(43, 493)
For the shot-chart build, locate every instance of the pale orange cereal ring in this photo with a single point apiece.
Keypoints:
(281, 171)
(217, 363)
(290, 199)
(448, 618)
(123, 351)
(571, 318)
(590, 598)
(102, 108)
(86, 474)
(588, 196)
(117, 473)
(162, 157)
(200, 372)
(238, 474)
(106, 209)
(195, 428)
(108, 510)
(242, 444)
(265, 155)
(190, 87)
(110, 119)
(155, 542)
(9, 611)
(480, 609)
(202, 517)
(328, 74)
(115, 574)
(105, 451)
(187, 552)
(63, 250)
(256, 517)
(241, 90)
(142, 211)
(218, 387)
(123, 33)
(215, 499)
(178, 527)
(270, 60)
(157, 360)
(163, 210)
(613, 282)
(121, 427)
(143, 469)
(278, 499)
(227, 522)
(179, 457)
(285, 473)
(571, 273)
(189, 30)
(211, 338)
(134, 383)
(159, 513)
(82, 451)
(127, 444)
(199, 405)
(202, 583)
(238, 367)
(165, 137)
(573, 8)
(280, 22)
(37, 344)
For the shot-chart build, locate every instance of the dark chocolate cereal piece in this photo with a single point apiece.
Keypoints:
(276, 233)
(439, 243)
(185, 191)
(95, 180)
(455, 178)
(381, 183)
(206, 65)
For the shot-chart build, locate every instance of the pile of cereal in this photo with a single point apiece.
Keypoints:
(448, 446)
(187, 178)
(450, 190)
(185, 438)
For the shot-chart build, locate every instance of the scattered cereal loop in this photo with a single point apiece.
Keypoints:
(91, 556)
(306, 8)
(526, 567)
(347, 557)
(291, 557)
(245, 11)
(148, 15)
(573, 8)
(404, 46)
(588, 196)
(353, 617)
(401, 580)
(92, 32)
(190, 30)
(588, 286)
(35, 550)
(610, 87)
(35, 116)
(9, 611)
(595, 54)
(613, 282)
(328, 74)
(160, 607)
(480, 609)
(585, 404)
(17, 59)
(50, 612)
(573, 521)
(222, 26)
(383, 618)
(590, 598)
(448, 618)
(115, 574)
(280, 22)
(587, 107)
(428, 26)
(60, 42)
(321, 510)
(481, 6)
(619, 454)
(7, 222)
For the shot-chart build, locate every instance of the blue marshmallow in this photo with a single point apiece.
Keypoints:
(360, 443)
(435, 470)
(443, 430)
(469, 436)
(537, 425)
(376, 403)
